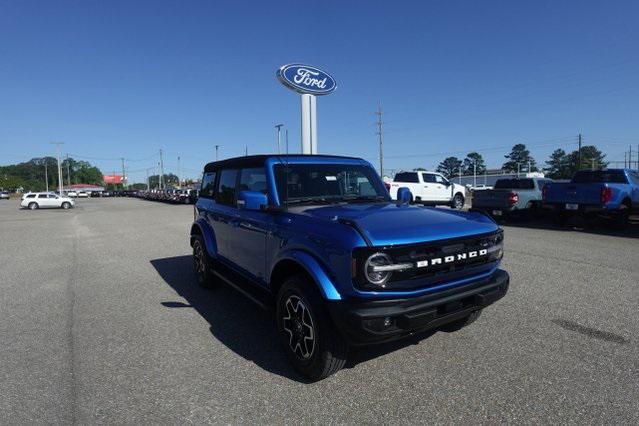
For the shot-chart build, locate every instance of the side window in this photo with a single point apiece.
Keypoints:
(208, 185)
(226, 187)
(31, 196)
(428, 178)
(408, 177)
(440, 179)
(253, 180)
(42, 195)
(53, 196)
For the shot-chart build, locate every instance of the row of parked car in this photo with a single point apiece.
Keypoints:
(174, 196)
(612, 194)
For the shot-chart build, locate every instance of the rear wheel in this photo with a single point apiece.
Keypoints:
(33, 206)
(458, 201)
(622, 217)
(310, 340)
(202, 263)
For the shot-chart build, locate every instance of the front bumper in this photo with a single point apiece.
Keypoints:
(383, 320)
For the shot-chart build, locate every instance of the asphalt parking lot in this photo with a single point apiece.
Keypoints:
(101, 322)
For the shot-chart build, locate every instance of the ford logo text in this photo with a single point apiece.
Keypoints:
(306, 79)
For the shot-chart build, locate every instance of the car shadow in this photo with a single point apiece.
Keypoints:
(576, 224)
(244, 327)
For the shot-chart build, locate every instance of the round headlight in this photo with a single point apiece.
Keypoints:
(377, 277)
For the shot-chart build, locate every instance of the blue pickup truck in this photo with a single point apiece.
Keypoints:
(318, 239)
(611, 193)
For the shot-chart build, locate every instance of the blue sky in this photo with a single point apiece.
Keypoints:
(123, 79)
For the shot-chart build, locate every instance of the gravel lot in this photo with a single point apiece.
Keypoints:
(100, 322)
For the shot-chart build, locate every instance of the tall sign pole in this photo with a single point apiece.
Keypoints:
(309, 82)
(279, 138)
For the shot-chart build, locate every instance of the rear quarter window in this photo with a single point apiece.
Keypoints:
(208, 185)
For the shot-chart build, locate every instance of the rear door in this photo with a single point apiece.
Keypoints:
(409, 180)
(247, 247)
(225, 211)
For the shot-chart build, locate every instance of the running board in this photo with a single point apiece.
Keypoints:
(251, 292)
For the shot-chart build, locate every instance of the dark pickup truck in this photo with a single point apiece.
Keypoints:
(612, 194)
(510, 197)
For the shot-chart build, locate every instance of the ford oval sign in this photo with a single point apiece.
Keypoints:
(306, 79)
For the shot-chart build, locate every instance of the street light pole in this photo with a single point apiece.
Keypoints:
(279, 127)
(60, 183)
(217, 147)
(46, 175)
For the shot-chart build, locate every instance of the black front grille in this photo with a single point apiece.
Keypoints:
(437, 256)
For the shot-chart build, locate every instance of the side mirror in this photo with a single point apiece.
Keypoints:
(404, 196)
(251, 200)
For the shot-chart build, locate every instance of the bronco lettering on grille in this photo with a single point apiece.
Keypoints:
(452, 258)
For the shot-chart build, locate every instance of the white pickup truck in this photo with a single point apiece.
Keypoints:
(429, 188)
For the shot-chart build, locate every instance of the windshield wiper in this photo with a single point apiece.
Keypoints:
(308, 200)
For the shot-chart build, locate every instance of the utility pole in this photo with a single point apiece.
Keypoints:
(474, 174)
(630, 155)
(46, 175)
(68, 173)
(60, 183)
(279, 127)
(148, 182)
(179, 174)
(625, 160)
(286, 140)
(123, 172)
(246, 150)
(579, 154)
(161, 171)
(217, 147)
(380, 133)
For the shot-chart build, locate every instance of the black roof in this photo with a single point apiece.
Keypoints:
(258, 160)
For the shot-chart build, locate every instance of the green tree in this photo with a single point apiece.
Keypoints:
(519, 159)
(474, 163)
(591, 157)
(558, 165)
(450, 167)
(169, 180)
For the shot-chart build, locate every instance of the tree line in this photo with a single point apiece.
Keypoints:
(31, 174)
(560, 165)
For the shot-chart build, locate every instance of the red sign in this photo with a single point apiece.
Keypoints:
(114, 179)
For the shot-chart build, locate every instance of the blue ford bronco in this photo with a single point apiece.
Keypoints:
(318, 239)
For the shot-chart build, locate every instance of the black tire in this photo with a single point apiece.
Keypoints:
(66, 205)
(308, 336)
(560, 218)
(33, 206)
(457, 202)
(202, 263)
(461, 323)
(622, 218)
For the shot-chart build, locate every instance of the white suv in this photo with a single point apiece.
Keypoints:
(429, 188)
(46, 200)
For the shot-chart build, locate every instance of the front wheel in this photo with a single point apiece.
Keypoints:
(458, 201)
(310, 340)
(66, 205)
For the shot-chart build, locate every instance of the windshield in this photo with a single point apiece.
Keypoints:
(599, 176)
(515, 184)
(328, 183)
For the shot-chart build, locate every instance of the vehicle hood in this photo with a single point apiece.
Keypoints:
(387, 224)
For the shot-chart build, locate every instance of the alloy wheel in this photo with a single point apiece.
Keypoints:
(298, 323)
